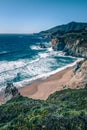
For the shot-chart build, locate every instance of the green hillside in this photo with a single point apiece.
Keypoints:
(65, 28)
(63, 110)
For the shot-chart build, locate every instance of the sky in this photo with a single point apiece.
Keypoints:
(31, 16)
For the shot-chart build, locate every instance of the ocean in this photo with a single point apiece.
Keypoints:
(23, 61)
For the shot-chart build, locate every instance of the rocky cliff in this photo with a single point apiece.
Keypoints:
(79, 77)
(70, 38)
(10, 92)
(73, 43)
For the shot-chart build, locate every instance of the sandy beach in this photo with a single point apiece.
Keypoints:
(42, 89)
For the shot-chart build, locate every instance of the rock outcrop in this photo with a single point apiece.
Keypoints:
(74, 44)
(79, 78)
(57, 44)
(10, 92)
(42, 45)
(70, 38)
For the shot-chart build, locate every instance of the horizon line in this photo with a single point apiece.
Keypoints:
(40, 30)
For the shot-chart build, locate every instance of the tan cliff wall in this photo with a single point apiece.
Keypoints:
(79, 77)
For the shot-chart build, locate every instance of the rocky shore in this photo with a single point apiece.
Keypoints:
(74, 43)
(72, 39)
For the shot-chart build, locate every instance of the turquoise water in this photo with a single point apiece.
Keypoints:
(23, 61)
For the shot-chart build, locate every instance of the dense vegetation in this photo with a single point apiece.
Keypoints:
(70, 38)
(63, 110)
(62, 29)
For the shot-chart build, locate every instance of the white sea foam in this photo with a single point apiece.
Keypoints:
(8, 66)
(37, 47)
(43, 55)
(29, 70)
(10, 70)
(50, 49)
(58, 53)
(45, 75)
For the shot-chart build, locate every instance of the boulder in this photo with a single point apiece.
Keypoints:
(10, 92)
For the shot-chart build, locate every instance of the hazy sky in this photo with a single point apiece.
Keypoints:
(28, 16)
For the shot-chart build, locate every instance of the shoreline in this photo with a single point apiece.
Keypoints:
(41, 89)
(46, 75)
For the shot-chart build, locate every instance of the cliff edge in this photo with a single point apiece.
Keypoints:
(73, 43)
(79, 77)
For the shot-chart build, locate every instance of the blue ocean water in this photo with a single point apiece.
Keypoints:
(23, 61)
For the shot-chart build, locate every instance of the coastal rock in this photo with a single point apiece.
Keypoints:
(74, 44)
(57, 44)
(42, 45)
(54, 44)
(79, 78)
(10, 92)
(77, 67)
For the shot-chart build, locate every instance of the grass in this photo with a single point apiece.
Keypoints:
(63, 110)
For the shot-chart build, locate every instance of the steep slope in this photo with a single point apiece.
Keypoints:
(73, 43)
(64, 110)
(70, 38)
(62, 29)
(79, 78)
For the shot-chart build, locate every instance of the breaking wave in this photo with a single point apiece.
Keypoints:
(31, 63)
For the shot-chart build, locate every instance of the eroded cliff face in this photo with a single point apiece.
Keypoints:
(57, 44)
(10, 92)
(74, 44)
(79, 77)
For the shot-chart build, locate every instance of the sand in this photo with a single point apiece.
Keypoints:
(42, 89)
